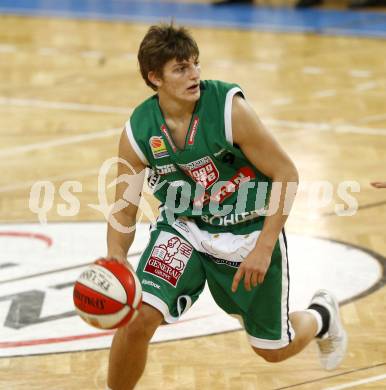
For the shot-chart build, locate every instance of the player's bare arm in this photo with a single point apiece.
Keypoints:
(264, 152)
(118, 242)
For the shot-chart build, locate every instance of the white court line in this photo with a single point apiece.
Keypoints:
(222, 64)
(343, 128)
(7, 48)
(267, 66)
(303, 127)
(357, 383)
(359, 130)
(122, 110)
(312, 70)
(58, 142)
(326, 93)
(281, 101)
(48, 51)
(27, 184)
(338, 128)
(360, 73)
(366, 86)
(92, 54)
(63, 105)
(373, 118)
(129, 56)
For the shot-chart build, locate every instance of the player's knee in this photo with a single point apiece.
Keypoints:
(133, 332)
(144, 325)
(270, 355)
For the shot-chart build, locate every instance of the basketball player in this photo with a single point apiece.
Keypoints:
(214, 168)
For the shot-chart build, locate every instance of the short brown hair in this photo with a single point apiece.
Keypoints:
(161, 44)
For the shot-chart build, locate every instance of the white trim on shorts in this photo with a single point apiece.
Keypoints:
(228, 113)
(160, 305)
(267, 344)
(133, 143)
(287, 332)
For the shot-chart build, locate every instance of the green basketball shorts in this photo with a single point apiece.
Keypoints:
(179, 259)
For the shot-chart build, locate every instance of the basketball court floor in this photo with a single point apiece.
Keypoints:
(68, 82)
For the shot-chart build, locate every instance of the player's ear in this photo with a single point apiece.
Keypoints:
(154, 78)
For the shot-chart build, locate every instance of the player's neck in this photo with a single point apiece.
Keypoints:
(175, 109)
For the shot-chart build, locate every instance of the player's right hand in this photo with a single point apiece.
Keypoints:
(121, 261)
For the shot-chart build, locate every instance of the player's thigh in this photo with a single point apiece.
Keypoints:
(264, 310)
(170, 273)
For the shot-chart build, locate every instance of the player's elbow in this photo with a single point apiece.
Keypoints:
(293, 174)
(125, 216)
(287, 174)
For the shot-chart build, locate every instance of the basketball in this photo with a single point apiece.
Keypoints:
(107, 295)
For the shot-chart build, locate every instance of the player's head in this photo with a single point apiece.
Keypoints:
(168, 58)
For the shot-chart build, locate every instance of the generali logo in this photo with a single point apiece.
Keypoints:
(40, 263)
(168, 258)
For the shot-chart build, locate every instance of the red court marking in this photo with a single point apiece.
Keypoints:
(26, 343)
(36, 236)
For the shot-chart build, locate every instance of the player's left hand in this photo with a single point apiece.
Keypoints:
(378, 184)
(253, 268)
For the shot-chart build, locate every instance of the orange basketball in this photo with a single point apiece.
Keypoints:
(107, 294)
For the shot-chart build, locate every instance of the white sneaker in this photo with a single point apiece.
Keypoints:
(333, 345)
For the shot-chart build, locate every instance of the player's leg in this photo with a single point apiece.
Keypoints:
(320, 320)
(272, 332)
(331, 337)
(263, 311)
(305, 328)
(128, 351)
(172, 278)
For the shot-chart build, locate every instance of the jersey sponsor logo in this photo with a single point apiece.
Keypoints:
(233, 264)
(153, 180)
(193, 131)
(219, 153)
(150, 283)
(230, 219)
(158, 147)
(226, 156)
(168, 259)
(243, 175)
(179, 223)
(203, 171)
(168, 137)
(165, 169)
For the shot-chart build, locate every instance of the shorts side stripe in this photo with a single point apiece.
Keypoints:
(289, 281)
(286, 325)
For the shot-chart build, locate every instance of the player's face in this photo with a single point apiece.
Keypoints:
(181, 80)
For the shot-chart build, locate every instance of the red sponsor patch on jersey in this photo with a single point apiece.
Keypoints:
(243, 175)
(193, 131)
(165, 131)
(203, 171)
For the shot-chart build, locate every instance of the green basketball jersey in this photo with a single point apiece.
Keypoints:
(210, 179)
